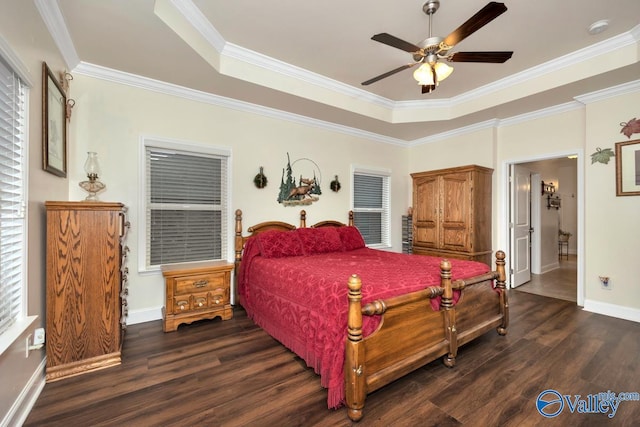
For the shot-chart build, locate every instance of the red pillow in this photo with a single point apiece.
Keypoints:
(278, 244)
(351, 238)
(320, 240)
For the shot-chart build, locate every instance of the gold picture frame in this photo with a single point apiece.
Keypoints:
(54, 124)
(628, 168)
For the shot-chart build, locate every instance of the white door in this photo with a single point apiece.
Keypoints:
(520, 212)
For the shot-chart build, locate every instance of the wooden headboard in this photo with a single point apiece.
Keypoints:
(241, 239)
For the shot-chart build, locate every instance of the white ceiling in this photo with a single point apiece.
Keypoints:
(309, 58)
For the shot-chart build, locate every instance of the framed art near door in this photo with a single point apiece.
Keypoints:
(628, 168)
(54, 124)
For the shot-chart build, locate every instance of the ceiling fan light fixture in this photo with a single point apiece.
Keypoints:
(424, 75)
(442, 70)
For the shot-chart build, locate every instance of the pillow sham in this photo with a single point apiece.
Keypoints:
(320, 240)
(351, 238)
(278, 244)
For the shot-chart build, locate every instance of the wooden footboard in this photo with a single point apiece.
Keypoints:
(411, 334)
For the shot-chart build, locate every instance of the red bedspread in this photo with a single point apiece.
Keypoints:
(302, 300)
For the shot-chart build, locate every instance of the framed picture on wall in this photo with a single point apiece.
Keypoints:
(54, 124)
(628, 168)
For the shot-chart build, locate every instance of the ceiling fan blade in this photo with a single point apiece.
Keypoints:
(491, 57)
(388, 73)
(393, 41)
(487, 14)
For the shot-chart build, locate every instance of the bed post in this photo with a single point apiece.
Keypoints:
(501, 285)
(238, 239)
(355, 391)
(303, 219)
(350, 223)
(448, 313)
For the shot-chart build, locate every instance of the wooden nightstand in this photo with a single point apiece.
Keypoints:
(196, 291)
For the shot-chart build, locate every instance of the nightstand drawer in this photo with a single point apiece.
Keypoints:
(200, 283)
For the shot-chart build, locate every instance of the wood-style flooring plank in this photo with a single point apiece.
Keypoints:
(231, 373)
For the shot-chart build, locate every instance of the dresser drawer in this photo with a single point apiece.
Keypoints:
(199, 283)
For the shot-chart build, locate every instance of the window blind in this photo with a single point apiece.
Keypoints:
(371, 207)
(186, 206)
(12, 204)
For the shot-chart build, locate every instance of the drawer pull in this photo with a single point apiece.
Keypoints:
(201, 283)
(182, 304)
(201, 302)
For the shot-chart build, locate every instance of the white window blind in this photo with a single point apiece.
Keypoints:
(186, 206)
(371, 207)
(12, 204)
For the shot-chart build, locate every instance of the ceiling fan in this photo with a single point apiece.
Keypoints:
(430, 51)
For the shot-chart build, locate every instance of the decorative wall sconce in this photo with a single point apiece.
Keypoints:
(335, 185)
(260, 180)
(70, 104)
(65, 78)
(92, 168)
(553, 202)
(548, 188)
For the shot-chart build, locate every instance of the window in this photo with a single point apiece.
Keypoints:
(13, 98)
(186, 203)
(371, 206)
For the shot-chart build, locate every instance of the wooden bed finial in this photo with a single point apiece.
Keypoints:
(303, 219)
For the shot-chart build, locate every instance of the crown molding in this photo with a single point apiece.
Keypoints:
(145, 83)
(611, 92)
(197, 19)
(119, 77)
(544, 112)
(54, 21)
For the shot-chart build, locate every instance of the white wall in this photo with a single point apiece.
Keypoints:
(110, 118)
(612, 241)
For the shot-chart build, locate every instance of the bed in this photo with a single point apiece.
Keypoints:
(360, 317)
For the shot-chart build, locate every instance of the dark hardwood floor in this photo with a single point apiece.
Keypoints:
(230, 373)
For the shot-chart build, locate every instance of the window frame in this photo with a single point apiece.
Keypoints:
(21, 320)
(385, 174)
(187, 147)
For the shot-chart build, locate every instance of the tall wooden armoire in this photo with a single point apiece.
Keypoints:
(452, 213)
(86, 286)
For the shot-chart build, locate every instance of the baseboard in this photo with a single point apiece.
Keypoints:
(21, 408)
(549, 267)
(144, 315)
(612, 310)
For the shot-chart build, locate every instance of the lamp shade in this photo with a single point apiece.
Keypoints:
(424, 75)
(442, 70)
(91, 165)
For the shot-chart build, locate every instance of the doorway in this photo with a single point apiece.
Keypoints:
(534, 223)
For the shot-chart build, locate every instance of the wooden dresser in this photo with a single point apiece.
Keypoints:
(452, 213)
(196, 291)
(86, 286)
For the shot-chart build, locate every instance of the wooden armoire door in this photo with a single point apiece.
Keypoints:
(83, 295)
(426, 212)
(455, 222)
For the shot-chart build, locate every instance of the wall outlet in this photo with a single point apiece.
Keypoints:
(605, 282)
(38, 336)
